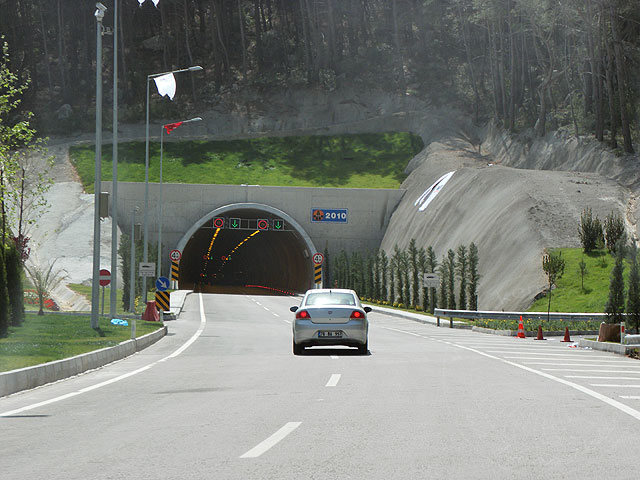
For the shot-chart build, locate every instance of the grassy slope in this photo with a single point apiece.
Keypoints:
(356, 161)
(570, 296)
(51, 337)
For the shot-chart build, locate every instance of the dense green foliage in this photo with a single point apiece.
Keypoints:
(399, 280)
(356, 161)
(15, 287)
(538, 63)
(56, 336)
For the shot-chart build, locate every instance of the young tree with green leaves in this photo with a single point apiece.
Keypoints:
(474, 276)
(553, 266)
(443, 270)
(413, 254)
(613, 230)
(15, 288)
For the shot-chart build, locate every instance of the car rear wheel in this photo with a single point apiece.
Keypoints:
(297, 349)
(364, 349)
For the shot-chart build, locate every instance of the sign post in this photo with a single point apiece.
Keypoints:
(175, 256)
(104, 280)
(318, 259)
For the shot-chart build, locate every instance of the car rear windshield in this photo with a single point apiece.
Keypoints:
(330, 298)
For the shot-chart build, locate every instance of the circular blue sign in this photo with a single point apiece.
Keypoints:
(162, 284)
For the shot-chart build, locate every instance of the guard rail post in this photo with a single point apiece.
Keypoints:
(450, 322)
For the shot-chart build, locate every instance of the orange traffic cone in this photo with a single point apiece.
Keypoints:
(540, 337)
(520, 328)
(566, 335)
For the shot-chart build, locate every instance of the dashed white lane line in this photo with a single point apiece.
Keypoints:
(271, 441)
(592, 393)
(334, 357)
(630, 397)
(333, 381)
(584, 370)
(203, 322)
(601, 378)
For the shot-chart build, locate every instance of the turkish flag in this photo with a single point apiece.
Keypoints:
(172, 126)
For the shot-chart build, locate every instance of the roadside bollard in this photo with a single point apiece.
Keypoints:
(622, 334)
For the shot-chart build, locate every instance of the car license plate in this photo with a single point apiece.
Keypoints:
(330, 333)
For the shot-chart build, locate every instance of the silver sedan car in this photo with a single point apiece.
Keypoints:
(330, 317)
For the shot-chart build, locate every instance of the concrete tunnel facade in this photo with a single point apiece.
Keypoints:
(219, 259)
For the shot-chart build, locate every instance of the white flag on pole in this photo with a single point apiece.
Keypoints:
(166, 85)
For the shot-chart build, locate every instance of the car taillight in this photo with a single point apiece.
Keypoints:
(302, 314)
(357, 314)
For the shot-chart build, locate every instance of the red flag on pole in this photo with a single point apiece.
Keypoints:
(170, 127)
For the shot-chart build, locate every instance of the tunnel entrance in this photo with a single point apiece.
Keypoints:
(246, 248)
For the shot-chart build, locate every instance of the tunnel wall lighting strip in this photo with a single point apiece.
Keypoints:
(286, 292)
(208, 256)
(228, 257)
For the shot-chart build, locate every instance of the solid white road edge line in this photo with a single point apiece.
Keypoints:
(614, 403)
(271, 441)
(333, 381)
(203, 321)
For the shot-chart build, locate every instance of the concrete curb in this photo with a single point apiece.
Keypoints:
(618, 348)
(31, 377)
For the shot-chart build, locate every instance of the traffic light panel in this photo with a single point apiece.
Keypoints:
(218, 222)
(277, 224)
(263, 224)
(234, 223)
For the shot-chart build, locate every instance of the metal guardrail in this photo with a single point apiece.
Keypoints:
(499, 315)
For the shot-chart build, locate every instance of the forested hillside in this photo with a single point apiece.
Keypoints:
(527, 63)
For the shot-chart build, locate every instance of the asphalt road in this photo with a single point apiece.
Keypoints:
(223, 397)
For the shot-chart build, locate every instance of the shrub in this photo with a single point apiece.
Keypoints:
(590, 231)
(613, 230)
(14, 285)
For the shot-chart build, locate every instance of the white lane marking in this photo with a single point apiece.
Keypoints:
(266, 309)
(589, 370)
(630, 397)
(601, 378)
(203, 321)
(592, 393)
(334, 357)
(593, 364)
(333, 381)
(547, 354)
(275, 314)
(271, 441)
(586, 360)
(613, 385)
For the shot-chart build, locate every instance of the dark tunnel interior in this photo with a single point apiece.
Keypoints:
(246, 259)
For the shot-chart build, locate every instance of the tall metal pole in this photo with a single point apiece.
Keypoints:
(114, 180)
(160, 208)
(95, 293)
(145, 248)
(132, 270)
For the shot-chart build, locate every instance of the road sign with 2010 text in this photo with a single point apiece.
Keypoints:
(335, 215)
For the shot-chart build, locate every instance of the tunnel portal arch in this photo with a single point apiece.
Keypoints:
(227, 259)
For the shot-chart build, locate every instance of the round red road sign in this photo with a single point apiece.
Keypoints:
(105, 277)
(175, 255)
(318, 258)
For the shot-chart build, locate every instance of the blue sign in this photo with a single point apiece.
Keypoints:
(162, 284)
(335, 215)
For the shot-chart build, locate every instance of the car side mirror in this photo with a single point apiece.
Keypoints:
(367, 309)
(293, 309)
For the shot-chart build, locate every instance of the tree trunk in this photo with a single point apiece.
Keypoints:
(622, 89)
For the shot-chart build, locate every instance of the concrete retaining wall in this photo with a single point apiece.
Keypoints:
(31, 377)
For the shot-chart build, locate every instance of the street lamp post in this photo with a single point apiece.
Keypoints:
(159, 267)
(145, 251)
(95, 294)
(114, 180)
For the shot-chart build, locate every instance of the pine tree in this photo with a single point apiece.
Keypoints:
(443, 298)
(14, 285)
(384, 266)
(432, 266)
(4, 296)
(474, 277)
(415, 272)
(633, 296)
(615, 304)
(461, 271)
(451, 280)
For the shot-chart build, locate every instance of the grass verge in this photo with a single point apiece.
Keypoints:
(51, 337)
(347, 161)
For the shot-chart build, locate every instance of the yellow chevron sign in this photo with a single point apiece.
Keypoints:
(162, 301)
(175, 268)
(318, 273)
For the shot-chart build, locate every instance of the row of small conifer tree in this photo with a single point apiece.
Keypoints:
(398, 278)
(11, 288)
